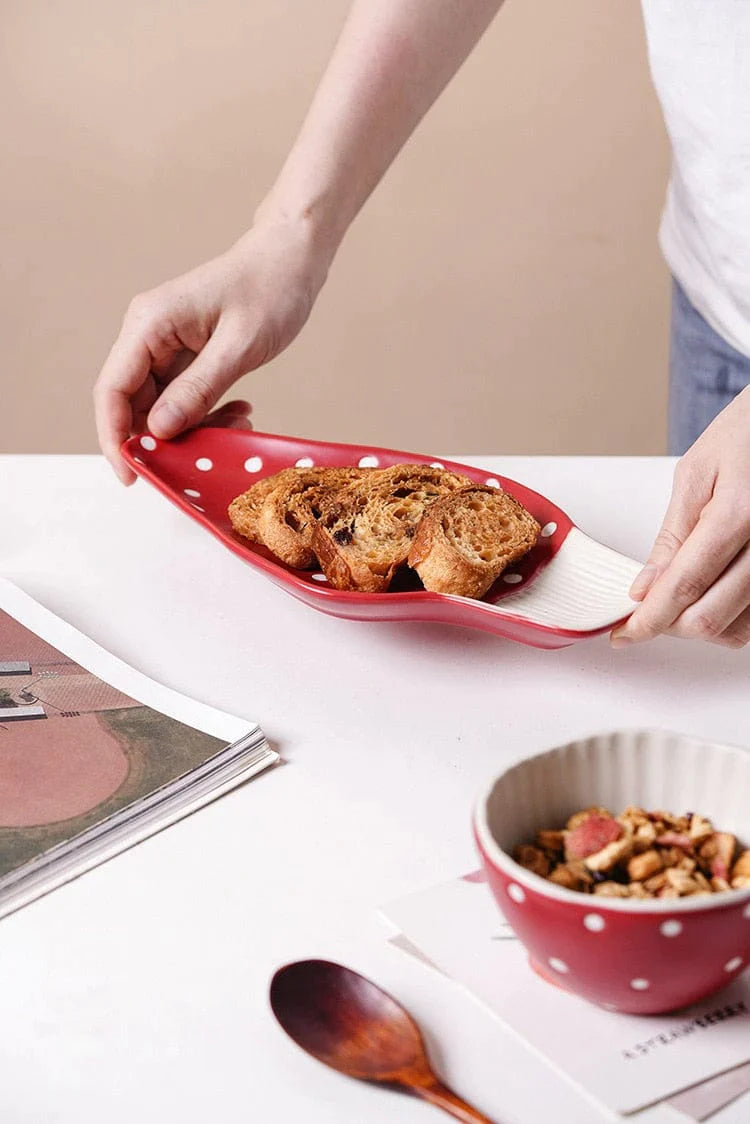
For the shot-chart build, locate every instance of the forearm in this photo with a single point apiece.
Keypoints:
(391, 62)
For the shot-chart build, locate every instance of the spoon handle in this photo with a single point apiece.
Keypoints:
(443, 1097)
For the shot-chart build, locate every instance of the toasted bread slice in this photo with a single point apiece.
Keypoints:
(365, 530)
(465, 541)
(288, 512)
(245, 509)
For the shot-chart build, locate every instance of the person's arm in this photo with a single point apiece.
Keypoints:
(183, 344)
(392, 60)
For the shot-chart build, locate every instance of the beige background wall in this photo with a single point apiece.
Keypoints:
(502, 290)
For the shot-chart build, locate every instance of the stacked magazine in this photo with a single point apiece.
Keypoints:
(94, 756)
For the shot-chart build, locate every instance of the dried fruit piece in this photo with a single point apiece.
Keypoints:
(718, 852)
(611, 855)
(681, 881)
(741, 868)
(532, 859)
(675, 839)
(590, 835)
(612, 890)
(641, 867)
(572, 875)
(700, 828)
(644, 837)
(550, 840)
(635, 817)
(638, 854)
(579, 817)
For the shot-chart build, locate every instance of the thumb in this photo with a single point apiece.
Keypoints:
(691, 491)
(189, 397)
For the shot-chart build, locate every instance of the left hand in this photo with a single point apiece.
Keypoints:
(696, 583)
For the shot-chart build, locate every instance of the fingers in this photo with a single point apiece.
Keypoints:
(189, 398)
(142, 402)
(716, 541)
(716, 616)
(230, 415)
(122, 376)
(691, 491)
(738, 633)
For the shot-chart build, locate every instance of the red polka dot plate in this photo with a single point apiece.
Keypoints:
(568, 588)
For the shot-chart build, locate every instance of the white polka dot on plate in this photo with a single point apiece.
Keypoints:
(148, 443)
(594, 922)
(512, 579)
(516, 893)
(492, 482)
(548, 529)
(746, 911)
(558, 965)
(670, 928)
(368, 461)
(204, 464)
(253, 464)
(436, 464)
(733, 964)
(304, 462)
(192, 492)
(319, 577)
(640, 984)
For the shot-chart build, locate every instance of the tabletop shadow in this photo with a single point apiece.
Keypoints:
(660, 665)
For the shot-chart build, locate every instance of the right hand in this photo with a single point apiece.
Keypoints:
(183, 344)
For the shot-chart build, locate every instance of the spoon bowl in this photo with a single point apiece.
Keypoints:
(350, 1024)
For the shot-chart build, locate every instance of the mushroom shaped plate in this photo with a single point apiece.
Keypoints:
(568, 587)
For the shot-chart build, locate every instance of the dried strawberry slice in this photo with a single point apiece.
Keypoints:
(593, 835)
(675, 839)
(720, 853)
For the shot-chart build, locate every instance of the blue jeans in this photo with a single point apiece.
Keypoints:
(705, 373)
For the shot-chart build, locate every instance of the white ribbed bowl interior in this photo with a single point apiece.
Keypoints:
(654, 769)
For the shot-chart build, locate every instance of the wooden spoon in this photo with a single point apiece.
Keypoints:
(350, 1024)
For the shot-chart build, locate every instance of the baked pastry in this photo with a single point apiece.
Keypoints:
(363, 524)
(245, 509)
(365, 530)
(464, 541)
(288, 512)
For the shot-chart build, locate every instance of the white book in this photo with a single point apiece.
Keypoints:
(95, 756)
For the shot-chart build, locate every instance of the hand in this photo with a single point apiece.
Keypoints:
(230, 415)
(183, 344)
(696, 582)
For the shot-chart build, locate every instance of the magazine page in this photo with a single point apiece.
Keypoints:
(95, 756)
(119, 675)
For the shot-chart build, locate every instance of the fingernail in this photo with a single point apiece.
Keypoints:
(642, 582)
(166, 419)
(620, 641)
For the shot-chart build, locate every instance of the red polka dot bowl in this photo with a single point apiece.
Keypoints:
(646, 956)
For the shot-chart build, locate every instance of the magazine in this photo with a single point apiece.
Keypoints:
(94, 756)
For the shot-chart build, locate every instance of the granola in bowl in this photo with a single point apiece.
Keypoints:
(638, 854)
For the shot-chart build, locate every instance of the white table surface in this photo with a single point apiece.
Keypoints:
(139, 992)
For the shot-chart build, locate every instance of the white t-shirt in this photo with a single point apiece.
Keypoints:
(700, 63)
